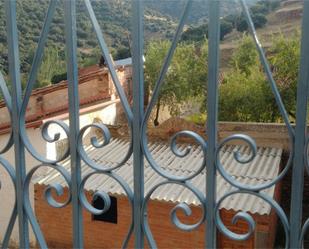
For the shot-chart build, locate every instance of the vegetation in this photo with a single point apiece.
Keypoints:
(51, 67)
(285, 70)
(258, 14)
(196, 118)
(186, 75)
(112, 16)
(200, 33)
(245, 94)
(199, 9)
(234, 21)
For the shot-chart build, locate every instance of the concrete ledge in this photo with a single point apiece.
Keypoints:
(264, 134)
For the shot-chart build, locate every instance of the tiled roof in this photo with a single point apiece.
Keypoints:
(263, 168)
(38, 109)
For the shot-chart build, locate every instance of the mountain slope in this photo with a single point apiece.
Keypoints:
(199, 10)
(114, 18)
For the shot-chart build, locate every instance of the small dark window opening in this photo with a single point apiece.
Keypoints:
(110, 215)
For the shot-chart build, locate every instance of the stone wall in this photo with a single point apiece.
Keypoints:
(265, 135)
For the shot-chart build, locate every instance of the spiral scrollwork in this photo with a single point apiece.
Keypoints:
(248, 218)
(187, 211)
(190, 134)
(106, 199)
(48, 138)
(59, 191)
(244, 160)
(99, 144)
(173, 214)
(238, 216)
(48, 196)
(98, 194)
(153, 100)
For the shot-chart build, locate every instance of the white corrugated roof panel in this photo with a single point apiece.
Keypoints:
(264, 168)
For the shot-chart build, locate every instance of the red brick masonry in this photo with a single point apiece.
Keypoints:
(56, 225)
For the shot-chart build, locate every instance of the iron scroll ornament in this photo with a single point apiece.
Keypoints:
(50, 163)
(58, 188)
(99, 169)
(12, 175)
(248, 218)
(173, 216)
(11, 6)
(172, 179)
(106, 199)
(8, 168)
(248, 189)
(103, 170)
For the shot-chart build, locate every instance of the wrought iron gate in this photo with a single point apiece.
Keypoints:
(137, 119)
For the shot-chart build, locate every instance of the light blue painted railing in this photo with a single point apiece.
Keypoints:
(137, 120)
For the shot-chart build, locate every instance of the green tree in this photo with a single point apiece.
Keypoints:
(259, 21)
(185, 78)
(259, 8)
(246, 98)
(51, 65)
(258, 14)
(245, 94)
(285, 56)
(196, 34)
(122, 53)
(200, 33)
(245, 56)
(225, 28)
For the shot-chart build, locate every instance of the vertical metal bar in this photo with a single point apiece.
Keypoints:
(72, 72)
(12, 40)
(138, 109)
(212, 117)
(300, 134)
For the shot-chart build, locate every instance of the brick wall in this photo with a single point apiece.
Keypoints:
(94, 87)
(57, 226)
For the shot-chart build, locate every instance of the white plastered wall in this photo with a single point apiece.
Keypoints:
(106, 115)
(7, 192)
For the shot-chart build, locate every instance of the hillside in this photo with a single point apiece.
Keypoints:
(114, 18)
(199, 11)
(286, 20)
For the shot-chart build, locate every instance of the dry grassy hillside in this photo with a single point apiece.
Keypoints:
(285, 20)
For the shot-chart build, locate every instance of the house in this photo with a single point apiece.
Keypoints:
(109, 230)
(98, 100)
